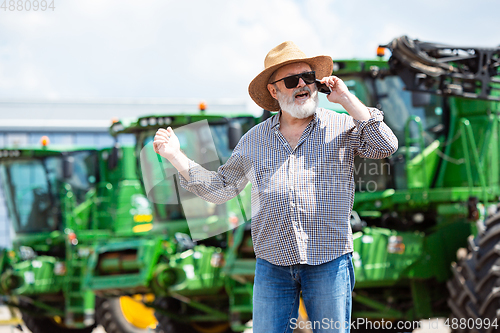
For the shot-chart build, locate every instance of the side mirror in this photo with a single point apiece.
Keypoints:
(420, 99)
(113, 157)
(68, 163)
(234, 133)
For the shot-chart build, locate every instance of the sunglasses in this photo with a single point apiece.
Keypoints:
(293, 80)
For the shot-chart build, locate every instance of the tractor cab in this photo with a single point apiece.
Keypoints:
(416, 118)
(207, 138)
(41, 184)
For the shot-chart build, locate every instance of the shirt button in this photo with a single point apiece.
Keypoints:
(292, 204)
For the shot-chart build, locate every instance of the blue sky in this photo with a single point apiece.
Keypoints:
(207, 49)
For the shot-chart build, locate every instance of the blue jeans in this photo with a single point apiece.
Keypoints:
(326, 291)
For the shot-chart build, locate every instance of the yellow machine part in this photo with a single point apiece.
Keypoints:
(140, 316)
(136, 313)
(302, 310)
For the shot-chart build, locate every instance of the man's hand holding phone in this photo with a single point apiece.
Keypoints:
(340, 94)
(338, 90)
(322, 88)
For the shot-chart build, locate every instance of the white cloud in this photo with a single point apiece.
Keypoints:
(206, 49)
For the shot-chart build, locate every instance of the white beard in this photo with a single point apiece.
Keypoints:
(299, 111)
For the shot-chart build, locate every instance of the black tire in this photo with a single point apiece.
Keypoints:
(169, 325)
(110, 316)
(475, 286)
(48, 325)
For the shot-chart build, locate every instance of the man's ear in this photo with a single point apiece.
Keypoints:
(272, 90)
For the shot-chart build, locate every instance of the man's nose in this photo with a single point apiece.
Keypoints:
(301, 83)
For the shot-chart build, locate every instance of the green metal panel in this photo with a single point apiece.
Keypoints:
(422, 168)
(476, 124)
(200, 276)
(135, 259)
(382, 256)
(37, 276)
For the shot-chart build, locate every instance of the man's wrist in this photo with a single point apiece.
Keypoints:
(175, 157)
(179, 160)
(354, 107)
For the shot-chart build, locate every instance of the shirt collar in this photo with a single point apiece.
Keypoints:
(275, 120)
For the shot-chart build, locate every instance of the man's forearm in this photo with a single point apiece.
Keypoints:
(213, 186)
(181, 163)
(354, 107)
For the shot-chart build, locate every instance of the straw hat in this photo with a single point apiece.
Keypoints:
(284, 54)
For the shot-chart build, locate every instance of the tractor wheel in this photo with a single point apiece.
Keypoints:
(45, 324)
(169, 325)
(124, 315)
(475, 286)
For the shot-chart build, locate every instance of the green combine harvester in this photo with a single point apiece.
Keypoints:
(426, 221)
(49, 195)
(62, 203)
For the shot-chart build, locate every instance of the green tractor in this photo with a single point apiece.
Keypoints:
(61, 202)
(425, 220)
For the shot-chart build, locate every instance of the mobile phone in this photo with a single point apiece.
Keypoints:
(322, 88)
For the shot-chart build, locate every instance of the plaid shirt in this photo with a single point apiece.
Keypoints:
(301, 198)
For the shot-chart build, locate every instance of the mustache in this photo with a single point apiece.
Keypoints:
(301, 90)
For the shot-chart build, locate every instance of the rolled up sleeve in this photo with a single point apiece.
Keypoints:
(216, 187)
(372, 138)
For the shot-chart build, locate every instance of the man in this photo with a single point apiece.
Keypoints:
(300, 163)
